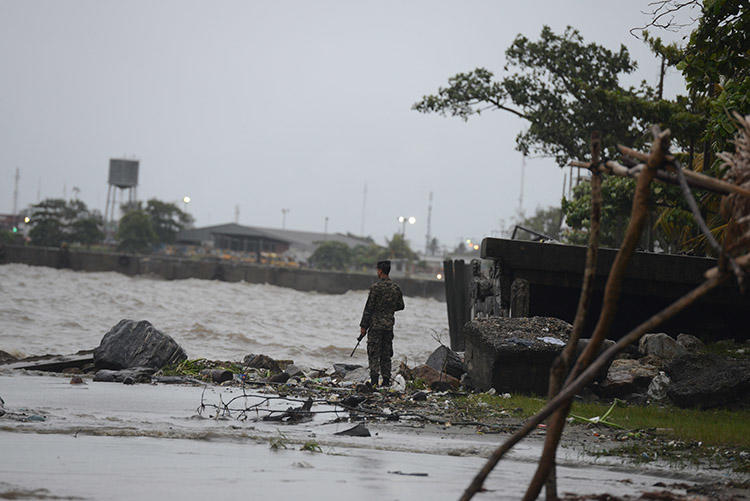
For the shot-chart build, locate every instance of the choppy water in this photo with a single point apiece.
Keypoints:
(44, 310)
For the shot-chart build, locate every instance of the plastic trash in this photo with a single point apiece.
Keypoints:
(399, 384)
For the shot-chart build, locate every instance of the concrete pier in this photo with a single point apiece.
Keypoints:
(174, 268)
(653, 281)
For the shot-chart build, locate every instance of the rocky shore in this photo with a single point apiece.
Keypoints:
(438, 398)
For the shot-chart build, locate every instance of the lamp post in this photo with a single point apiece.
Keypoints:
(403, 220)
(185, 202)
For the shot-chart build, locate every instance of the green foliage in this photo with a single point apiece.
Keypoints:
(54, 221)
(564, 88)
(135, 232)
(366, 256)
(398, 248)
(545, 220)
(311, 446)
(331, 255)
(617, 199)
(167, 219)
(280, 442)
(6, 237)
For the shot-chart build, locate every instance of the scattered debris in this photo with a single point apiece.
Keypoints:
(360, 430)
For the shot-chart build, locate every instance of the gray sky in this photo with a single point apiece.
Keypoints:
(281, 104)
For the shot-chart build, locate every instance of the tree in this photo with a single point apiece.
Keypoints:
(167, 219)
(54, 221)
(433, 247)
(135, 232)
(398, 248)
(331, 255)
(546, 220)
(564, 89)
(366, 256)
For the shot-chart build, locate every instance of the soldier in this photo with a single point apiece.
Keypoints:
(377, 322)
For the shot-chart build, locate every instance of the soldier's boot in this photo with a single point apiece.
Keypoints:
(374, 379)
(386, 381)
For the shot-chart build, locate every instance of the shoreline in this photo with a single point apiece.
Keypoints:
(119, 414)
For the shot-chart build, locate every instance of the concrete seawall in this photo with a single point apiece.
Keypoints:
(173, 268)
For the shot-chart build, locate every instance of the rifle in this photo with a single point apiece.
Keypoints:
(359, 340)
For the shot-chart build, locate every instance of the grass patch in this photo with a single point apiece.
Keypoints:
(194, 367)
(311, 446)
(716, 427)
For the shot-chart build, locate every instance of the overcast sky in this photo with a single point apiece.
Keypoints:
(281, 104)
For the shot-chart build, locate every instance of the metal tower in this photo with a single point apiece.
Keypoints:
(123, 175)
(428, 238)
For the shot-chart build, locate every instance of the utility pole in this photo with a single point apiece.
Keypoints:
(325, 226)
(15, 197)
(237, 214)
(523, 175)
(283, 218)
(428, 237)
(364, 204)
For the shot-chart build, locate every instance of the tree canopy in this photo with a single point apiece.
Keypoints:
(564, 88)
(54, 221)
(135, 232)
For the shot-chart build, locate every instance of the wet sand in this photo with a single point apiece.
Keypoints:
(113, 441)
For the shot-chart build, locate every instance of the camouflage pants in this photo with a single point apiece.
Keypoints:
(379, 353)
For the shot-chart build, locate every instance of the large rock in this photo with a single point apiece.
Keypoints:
(660, 345)
(261, 362)
(513, 354)
(127, 376)
(435, 379)
(707, 380)
(606, 344)
(136, 344)
(690, 343)
(626, 377)
(446, 360)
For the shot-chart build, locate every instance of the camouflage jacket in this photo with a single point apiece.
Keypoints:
(384, 299)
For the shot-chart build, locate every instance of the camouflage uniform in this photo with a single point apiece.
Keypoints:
(385, 298)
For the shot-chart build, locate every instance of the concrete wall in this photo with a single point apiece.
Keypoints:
(172, 268)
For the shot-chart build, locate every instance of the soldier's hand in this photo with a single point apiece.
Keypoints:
(362, 332)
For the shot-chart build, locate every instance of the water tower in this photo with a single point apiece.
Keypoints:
(123, 176)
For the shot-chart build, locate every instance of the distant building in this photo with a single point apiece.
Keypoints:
(298, 245)
(8, 221)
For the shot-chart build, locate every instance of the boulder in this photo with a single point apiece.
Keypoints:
(705, 380)
(127, 376)
(281, 377)
(358, 375)
(435, 378)
(606, 344)
(342, 369)
(294, 371)
(261, 362)
(626, 377)
(446, 360)
(217, 375)
(657, 390)
(660, 345)
(136, 344)
(691, 343)
(513, 354)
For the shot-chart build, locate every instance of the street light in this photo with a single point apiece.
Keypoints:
(403, 220)
(185, 201)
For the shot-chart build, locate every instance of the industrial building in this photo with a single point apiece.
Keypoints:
(297, 245)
